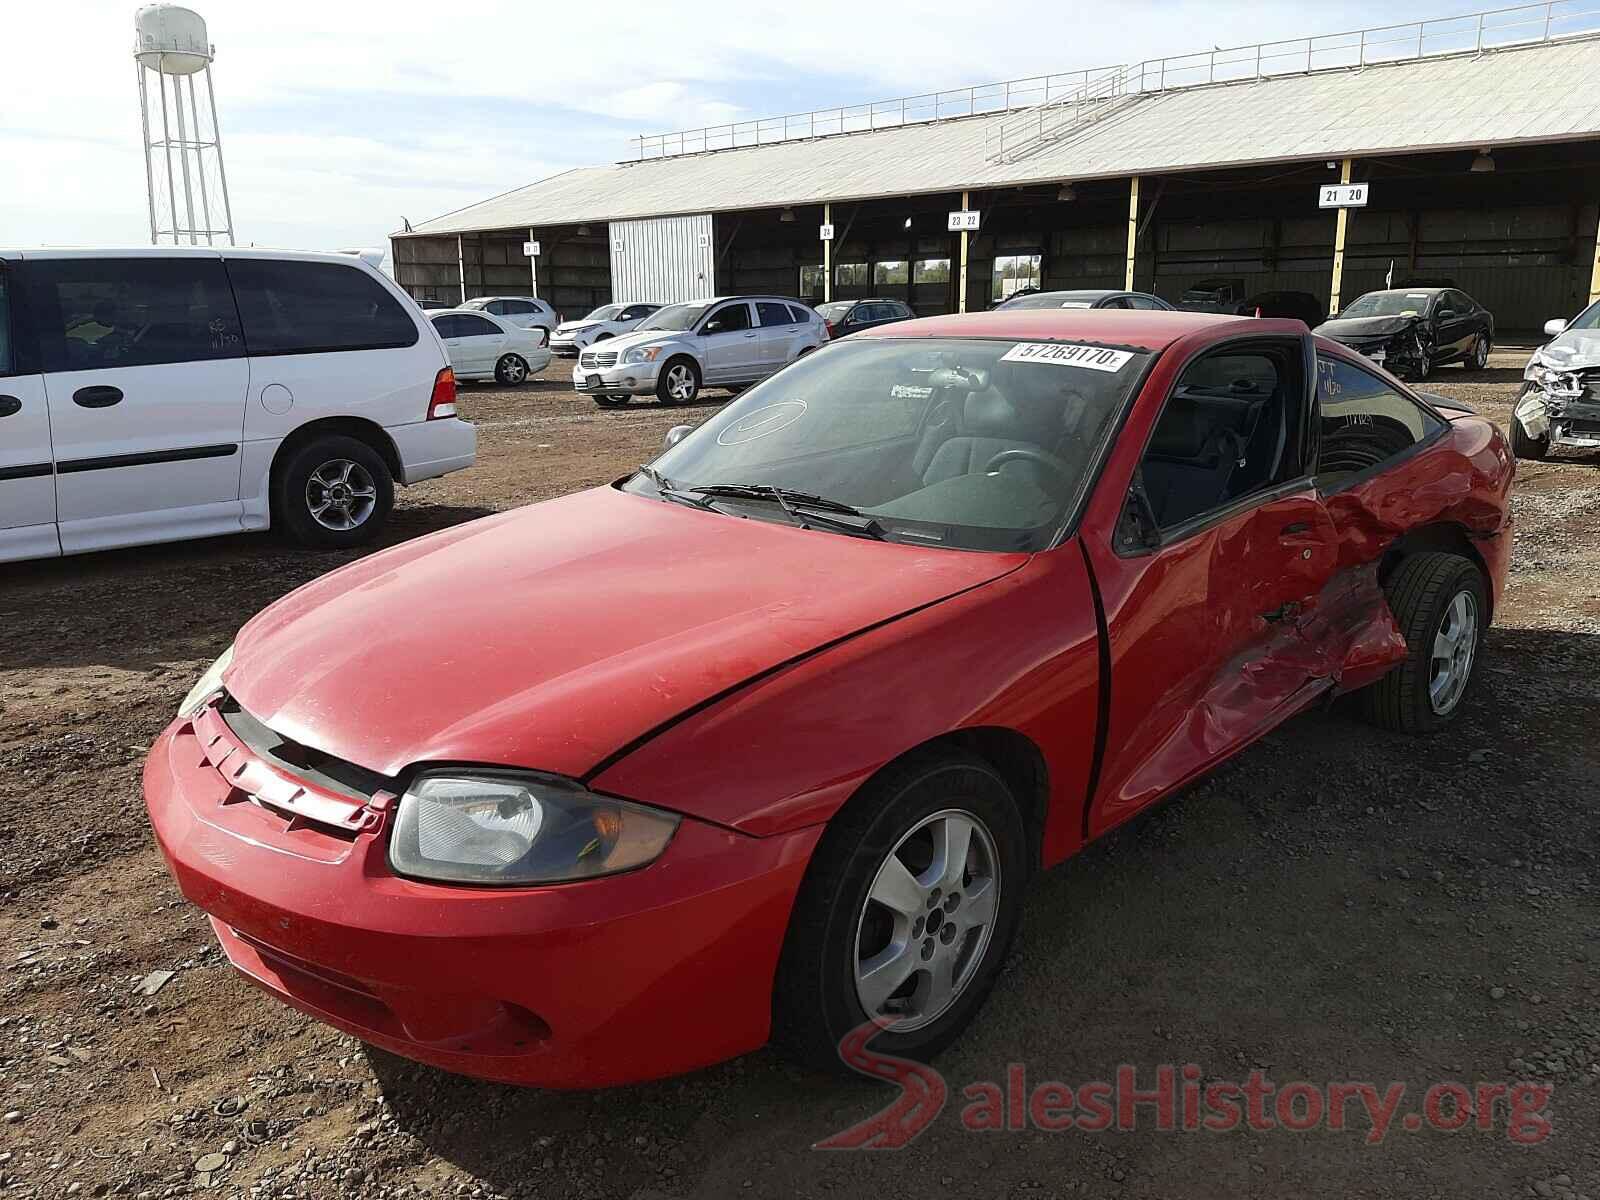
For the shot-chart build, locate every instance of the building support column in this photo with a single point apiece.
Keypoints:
(1342, 222)
(1133, 232)
(1594, 277)
(461, 266)
(533, 268)
(961, 293)
(827, 256)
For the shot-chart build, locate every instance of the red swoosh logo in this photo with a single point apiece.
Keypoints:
(921, 1099)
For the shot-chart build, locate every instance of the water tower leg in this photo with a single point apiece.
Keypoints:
(222, 172)
(183, 158)
(166, 145)
(200, 162)
(144, 124)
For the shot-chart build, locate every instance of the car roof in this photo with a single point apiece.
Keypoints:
(1430, 290)
(43, 252)
(1148, 330)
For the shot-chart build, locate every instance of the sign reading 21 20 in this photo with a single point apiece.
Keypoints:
(1342, 195)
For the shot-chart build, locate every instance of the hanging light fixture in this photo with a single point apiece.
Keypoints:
(1483, 162)
(908, 223)
(1067, 192)
(787, 216)
(583, 231)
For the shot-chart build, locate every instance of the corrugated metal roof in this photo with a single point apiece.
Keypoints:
(1499, 98)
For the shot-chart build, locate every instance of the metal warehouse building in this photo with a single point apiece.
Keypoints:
(1479, 138)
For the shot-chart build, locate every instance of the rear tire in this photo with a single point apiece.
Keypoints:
(1441, 603)
(332, 493)
(838, 929)
(1477, 358)
(511, 370)
(611, 401)
(1523, 446)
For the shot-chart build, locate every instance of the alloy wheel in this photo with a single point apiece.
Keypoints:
(513, 369)
(927, 920)
(680, 382)
(341, 495)
(1480, 353)
(1455, 644)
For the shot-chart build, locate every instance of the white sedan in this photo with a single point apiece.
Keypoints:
(483, 347)
(607, 321)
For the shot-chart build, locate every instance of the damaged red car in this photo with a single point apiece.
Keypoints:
(765, 740)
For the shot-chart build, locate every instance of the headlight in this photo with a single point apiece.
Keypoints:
(515, 828)
(642, 354)
(207, 686)
(1551, 379)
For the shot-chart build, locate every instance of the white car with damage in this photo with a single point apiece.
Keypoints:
(571, 338)
(1558, 407)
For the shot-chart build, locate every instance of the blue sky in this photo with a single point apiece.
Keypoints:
(341, 117)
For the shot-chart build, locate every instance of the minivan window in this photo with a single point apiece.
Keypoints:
(5, 327)
(294, 307)
(95, 313)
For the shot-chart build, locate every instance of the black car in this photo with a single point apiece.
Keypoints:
(1412, 330)
(1301, 306)
(1085, 298)
(845, 317)
(1213, 295)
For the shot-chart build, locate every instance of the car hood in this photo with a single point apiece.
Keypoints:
(576, 326)
(555, 635)
(1576, 349)
(651, 337)
(1342, 328)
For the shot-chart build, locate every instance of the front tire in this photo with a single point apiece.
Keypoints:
(679, 382)
(332, 493)
(511, 370)
(906, 914)
(1441, 603)
(1522, 444)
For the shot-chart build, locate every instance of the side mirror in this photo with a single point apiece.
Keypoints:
(675, 435)
(1137, 529)
(1555, 327)
(1446, 314)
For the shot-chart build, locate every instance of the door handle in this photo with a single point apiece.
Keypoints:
(102, 396)
(9, 406)
(1295, 527)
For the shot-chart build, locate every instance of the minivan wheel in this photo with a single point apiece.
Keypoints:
(906, 913)
(679, 382)
(511, 370)
(333, 492)
(1441, 603)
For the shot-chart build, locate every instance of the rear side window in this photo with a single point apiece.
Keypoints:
(800, 316)
(7, 354)
(470, 326)
(773, 313)
(447, 326)
(311, 307)
(509, 307)
(98, 313)
(1363, 422)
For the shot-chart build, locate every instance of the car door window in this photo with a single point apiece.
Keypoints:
(728, 319)
(471, 326)
(1143, 302)
(96, 313)
(1363, 422)
(7, 353)
(636, 312)
(293, 307)
(773, 313)
(1113, 302)
(1226, 432)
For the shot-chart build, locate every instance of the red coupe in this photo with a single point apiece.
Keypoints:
(765, 739)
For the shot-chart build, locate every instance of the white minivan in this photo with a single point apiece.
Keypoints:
(162, 393)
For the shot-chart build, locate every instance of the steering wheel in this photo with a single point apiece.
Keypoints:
(1038, 457)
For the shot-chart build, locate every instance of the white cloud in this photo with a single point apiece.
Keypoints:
(341, 116)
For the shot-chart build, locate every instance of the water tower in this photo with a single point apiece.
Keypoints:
(183, 173)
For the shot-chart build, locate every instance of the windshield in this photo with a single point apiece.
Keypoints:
(979, 444)
(835, 310)
(1054, 300)
(1388, 304)
(606, 312)
(1589, 318)
(673, 318)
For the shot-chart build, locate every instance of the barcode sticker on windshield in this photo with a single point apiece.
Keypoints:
(1063, 354)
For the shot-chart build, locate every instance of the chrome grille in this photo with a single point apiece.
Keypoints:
(604, 358)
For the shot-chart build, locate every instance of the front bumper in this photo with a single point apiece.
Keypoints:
(633, 379)
(565, 347)
(1570, 420)
(577, 985)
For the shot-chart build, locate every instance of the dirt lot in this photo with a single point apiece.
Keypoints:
(1338, 904)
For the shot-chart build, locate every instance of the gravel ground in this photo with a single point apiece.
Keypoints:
(1337, 904)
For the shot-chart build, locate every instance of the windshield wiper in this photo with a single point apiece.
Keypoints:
(791, 501)
(670, 490)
